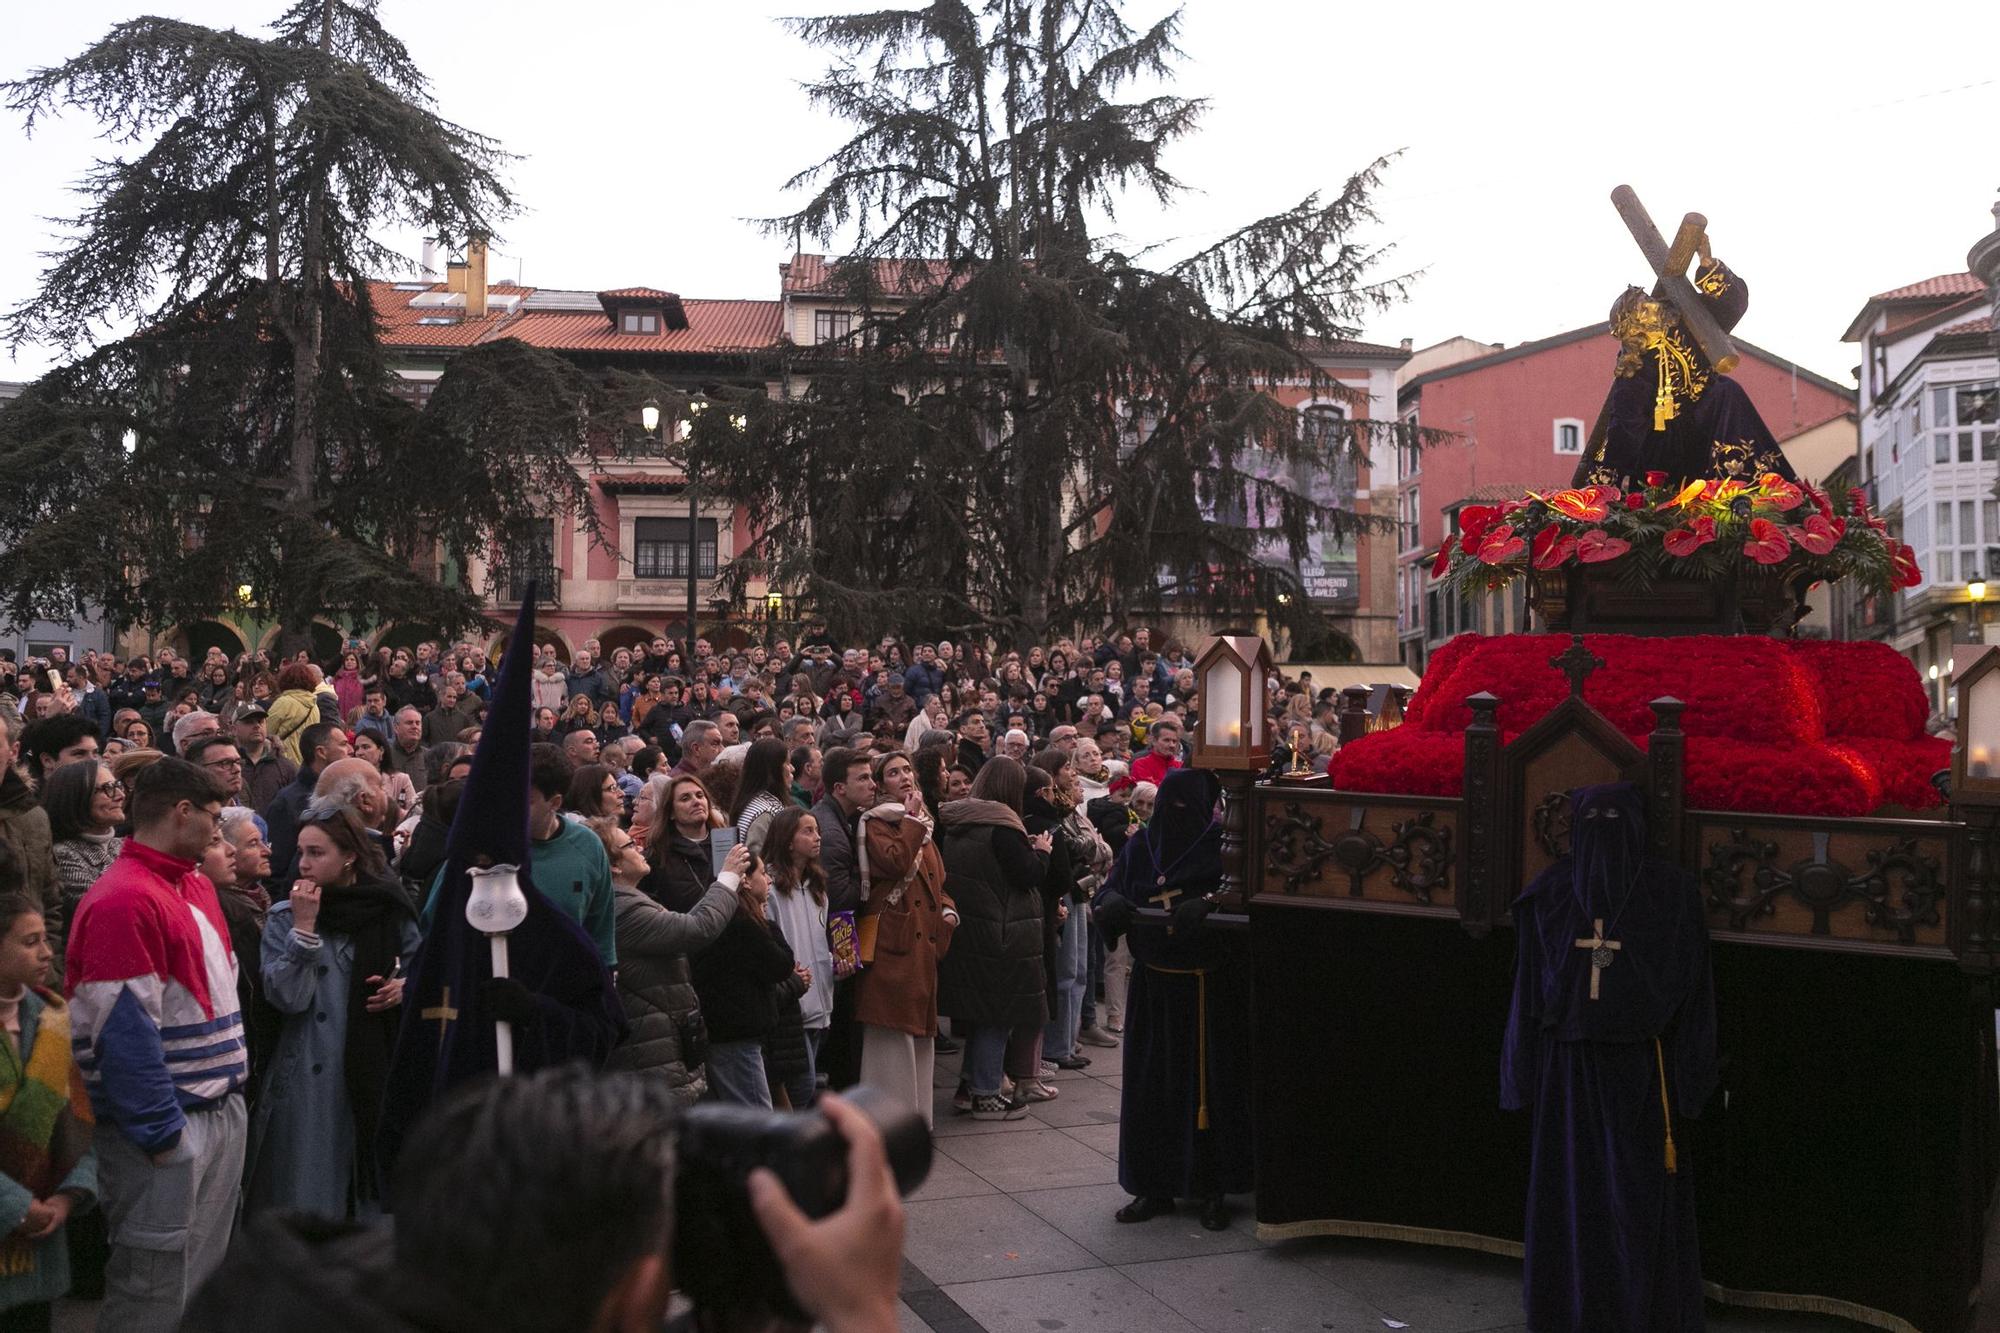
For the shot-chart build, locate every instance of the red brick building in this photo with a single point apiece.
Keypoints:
(1522, 416)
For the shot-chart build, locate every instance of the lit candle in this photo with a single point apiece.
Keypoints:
(1982, 762)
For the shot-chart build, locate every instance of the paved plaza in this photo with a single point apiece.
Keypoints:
(1013, 1234)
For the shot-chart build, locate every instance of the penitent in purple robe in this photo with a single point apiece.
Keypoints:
(1610, 1234)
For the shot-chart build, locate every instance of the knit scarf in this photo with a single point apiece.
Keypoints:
(45, 1118)
(371, 914)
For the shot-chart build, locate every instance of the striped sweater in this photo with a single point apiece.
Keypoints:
(152, 990)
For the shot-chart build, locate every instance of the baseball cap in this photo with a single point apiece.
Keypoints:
(252, 713)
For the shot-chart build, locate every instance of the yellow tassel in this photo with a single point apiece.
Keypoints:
(1666, 1109)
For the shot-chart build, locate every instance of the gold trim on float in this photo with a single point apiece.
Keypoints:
(1512, 1249)
(1462, 1240)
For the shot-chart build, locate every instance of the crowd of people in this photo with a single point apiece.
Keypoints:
(806, 869)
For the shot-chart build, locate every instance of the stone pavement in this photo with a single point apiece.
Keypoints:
(1013, 1233)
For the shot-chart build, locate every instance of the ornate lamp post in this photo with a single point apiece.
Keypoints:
(1231, 739)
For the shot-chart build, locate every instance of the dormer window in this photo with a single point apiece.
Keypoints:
(643, 310)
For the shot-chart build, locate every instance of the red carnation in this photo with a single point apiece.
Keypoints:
(1684, 542)
(1597, 545)
(1552, 547)
(1635, 501)
(1768, 544)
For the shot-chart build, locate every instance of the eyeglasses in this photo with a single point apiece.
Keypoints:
(222, 763)
(110, 788)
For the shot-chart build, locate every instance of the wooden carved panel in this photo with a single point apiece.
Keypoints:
(1881, 885)
(1367, 853)
(1568, 762)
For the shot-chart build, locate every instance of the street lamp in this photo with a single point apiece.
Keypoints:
(649, 416)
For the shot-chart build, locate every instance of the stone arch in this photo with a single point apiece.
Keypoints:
(627, 635)
(194, 639)
(328, 640)
(544, 635)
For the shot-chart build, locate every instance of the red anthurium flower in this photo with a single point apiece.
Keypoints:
(1903, 567)
(1585, 505)
(1821, 501)
(1857, 500)
(1684, 542)
(1689, 493)
(1819, 535)
(1635, 501)
(1552, 547)
(1775, 490)
(1443, 561)
(1768, 543)
(1473, 520)
(1597, 546)
(1501, 545)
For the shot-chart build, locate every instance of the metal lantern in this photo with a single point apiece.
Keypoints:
(1230, 673)
(1975, 765)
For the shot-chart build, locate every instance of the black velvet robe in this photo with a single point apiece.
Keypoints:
(1184, 1125)
(1611, 1207)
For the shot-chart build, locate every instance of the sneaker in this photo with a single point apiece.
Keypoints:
(1073, 1062)
(1035, 1091)
(1115, 1029)
(1048, 1069)
(945, 1046)
(1096, 1036)
(997, 1108)
(961, 1101)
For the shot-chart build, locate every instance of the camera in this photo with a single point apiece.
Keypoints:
(721, 1259)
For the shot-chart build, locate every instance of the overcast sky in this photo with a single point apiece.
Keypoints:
(1837, 149)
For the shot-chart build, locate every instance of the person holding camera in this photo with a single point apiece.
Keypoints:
(549, 1201)
(668, 1038)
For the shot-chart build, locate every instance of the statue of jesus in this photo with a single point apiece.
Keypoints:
(1670, 410)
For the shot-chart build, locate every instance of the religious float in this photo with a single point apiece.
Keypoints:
(1844, 1161)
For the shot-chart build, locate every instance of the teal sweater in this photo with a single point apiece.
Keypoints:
(573, 873)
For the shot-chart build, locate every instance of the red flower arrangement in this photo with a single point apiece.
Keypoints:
(1776, 726)
(1707, 529)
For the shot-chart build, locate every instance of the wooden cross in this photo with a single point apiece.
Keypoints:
(1669, 266)
(443, 1013)
(1165, 897)
(1601, 952)
(1576, 662)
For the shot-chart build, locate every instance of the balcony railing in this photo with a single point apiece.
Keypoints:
(511, 585)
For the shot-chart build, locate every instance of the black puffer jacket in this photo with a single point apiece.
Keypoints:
(681, 872)
(994, 972)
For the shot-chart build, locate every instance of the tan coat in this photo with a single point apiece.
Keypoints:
(898, 990)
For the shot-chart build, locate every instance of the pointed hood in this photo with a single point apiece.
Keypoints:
(492, 822)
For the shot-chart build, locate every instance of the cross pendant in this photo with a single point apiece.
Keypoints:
(1165, 898)
(442, 1014)
(1602, 951)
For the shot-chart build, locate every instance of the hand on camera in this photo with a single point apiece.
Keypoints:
(844, 1268)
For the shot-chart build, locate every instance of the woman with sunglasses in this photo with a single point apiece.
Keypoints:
(85, 805)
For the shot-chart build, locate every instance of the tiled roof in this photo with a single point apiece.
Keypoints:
(1932, 289)
(1984, 324)
(1351, 347)
(638, 480)
(713, 326)
(636, 294)
(814, 274)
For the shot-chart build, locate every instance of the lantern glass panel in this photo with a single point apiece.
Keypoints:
(1257, 703)
(1221, 702)
(1982, 727)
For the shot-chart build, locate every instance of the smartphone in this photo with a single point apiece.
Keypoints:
(719, 842)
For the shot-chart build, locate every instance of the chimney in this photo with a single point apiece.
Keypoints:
(475, 277)
(1404, 344)
(428, 265)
